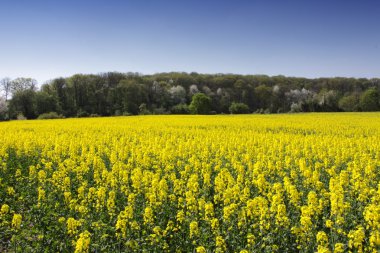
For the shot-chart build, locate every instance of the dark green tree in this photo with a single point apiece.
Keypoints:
(328, 100)
(3, 109)
(45, 103)
(22, 84)
(23, 102)
(200, 104)
(118, 93)
(369, 100)
(349, 103)
(130, 96)
(263, 95)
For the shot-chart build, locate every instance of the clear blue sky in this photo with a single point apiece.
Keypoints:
(52, 38)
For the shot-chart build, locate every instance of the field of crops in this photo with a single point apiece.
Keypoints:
(255, 183)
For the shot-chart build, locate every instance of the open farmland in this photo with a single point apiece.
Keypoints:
(263, 183)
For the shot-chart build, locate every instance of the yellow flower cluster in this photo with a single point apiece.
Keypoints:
(83, 243)
(16, 221)
(253, 183)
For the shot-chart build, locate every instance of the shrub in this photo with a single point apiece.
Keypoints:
(159, 111)
(238, 108)
(50, 115)
(82, 114)
(20, 116)
(180, 109)
(296, 107)
(259, 111)
(118, 113)
(143, 110)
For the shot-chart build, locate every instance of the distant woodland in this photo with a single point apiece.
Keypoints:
(116, 93)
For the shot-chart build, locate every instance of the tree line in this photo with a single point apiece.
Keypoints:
(115, 93)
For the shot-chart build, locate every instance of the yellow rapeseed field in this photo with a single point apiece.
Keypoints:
(254, 183)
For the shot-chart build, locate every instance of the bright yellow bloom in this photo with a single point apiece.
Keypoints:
(42, 176)
(339, 248)
(323, 242)
(240, 183)
(201, 249)
(194, 229)
(16, 221)
(41, 195)
(209, 211)
(4, 209)
(220, 244)
(83, 243)
(148, 215)
(11, 191)
(111, 203)
(180, 216)
(251, 239)
(72, 226)
(356, 238)
(374, 239)
(322, 238)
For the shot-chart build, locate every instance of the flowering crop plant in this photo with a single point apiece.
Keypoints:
(253, 183)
